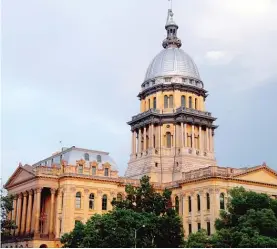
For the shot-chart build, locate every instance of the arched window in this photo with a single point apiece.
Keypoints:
(86, 155)
(91, 201)
(171, 101)
(195, 104)
(148, 103)
(98, 158)
(78, 200)
(154, 103)
(177, 204)
(189, 202)
(208, 200)
(168, 140)
(190, 102)
(80, 169)
(119, 197)
(147, 142)
(104, 202)
(93, 170)
(183, 101)
(106, 172)
(198, 202)
(222, 202)
(165, 101)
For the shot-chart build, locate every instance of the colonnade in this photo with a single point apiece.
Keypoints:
(150, 137)
(27, 212)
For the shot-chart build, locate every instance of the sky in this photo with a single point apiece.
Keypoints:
(71, 71)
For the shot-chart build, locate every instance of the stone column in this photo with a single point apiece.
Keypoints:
(144, 138)
(151, 136)
(139, 141)
(182, 134)
(192, 137)
(29, 212)
(23, 220)
(58, 211)
(210, 140)
(37, 214)
(14, 208)
(133, 142)
(18, 213)
(185, 135)
(200, 138)
(33, 214)
(207, 139)
(51, 221)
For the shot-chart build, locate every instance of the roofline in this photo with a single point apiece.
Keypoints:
(70, 149)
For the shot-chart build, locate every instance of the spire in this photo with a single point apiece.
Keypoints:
(171, 27)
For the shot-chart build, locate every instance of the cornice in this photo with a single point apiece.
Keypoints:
(172, 87)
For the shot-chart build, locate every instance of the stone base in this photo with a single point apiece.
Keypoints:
(166, 165)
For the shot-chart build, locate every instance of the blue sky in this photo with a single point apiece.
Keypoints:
(71, 71)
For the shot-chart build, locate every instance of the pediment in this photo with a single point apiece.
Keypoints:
(262, 175)
(20, 175)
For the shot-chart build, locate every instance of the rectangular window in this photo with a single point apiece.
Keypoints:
(80, 169)
(93, 170)
(208, 228)
(91, 204)
(60, 227)
(62, 202)
(106, 173)
(190, 229)
(198, 226)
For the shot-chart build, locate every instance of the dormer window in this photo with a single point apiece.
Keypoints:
(106, 172)
(167, 79)
(98, 158)
(80, 169)
(86, 156)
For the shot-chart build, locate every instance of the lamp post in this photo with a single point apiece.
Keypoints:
(136, 235)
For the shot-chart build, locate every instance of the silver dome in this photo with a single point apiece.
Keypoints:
(172, 62)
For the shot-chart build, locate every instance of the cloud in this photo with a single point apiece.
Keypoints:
(71, 71)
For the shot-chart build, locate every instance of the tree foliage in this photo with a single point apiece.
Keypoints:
(144, 218)
(6, 207)
(250, 221)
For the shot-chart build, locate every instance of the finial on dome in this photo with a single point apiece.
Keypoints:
(171, 27)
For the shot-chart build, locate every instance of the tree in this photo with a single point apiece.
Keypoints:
(144, 219)
(145, 199)
(6, 207)
(250, 221)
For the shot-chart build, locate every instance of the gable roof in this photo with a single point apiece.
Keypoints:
(21, 174)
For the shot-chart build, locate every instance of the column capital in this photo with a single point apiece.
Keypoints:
(30, 192)
(19, 196)
(38, 190)
(53, 190)
(25, 194)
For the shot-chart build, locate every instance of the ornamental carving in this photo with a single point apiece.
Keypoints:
(86, 191)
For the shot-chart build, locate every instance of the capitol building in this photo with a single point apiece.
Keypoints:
(172, 142)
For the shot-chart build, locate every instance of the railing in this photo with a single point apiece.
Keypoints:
(209, 172)
(141, 115)
(44, 170)
(190, 110)
(171, 110)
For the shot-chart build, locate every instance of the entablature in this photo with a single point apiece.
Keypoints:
(171, 87)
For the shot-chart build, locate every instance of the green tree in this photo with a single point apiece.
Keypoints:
(6, 207)
(250, 221)
(144, 219)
